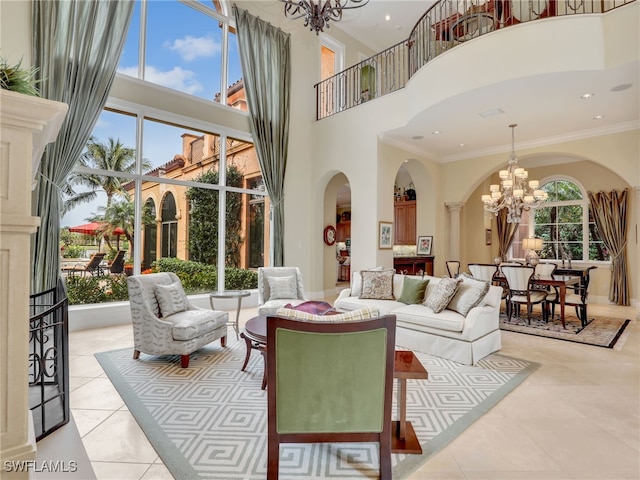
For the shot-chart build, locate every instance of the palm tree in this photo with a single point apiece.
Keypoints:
(112, 156)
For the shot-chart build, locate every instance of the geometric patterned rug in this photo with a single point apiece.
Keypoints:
(209, 420)
(601, 331)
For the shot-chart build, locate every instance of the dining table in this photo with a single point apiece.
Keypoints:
(560, 282)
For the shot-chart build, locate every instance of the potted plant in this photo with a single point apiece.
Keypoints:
(18, 79)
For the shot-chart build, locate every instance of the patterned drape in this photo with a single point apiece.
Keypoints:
(506, 232)
(610, 215)
(266, 68)
(77, 62)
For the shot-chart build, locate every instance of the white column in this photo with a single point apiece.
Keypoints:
(634, 237)
(454, 232)
(28, 124)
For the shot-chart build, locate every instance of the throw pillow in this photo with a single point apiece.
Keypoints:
(282, 287)
(171, 299)
(440, 297)
(359, 314)
(356, 281)
(377, 285)
(413, 290)
(469, 294)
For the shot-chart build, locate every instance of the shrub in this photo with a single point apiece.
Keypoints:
(96, 289)
(199, 277)
(73, 251)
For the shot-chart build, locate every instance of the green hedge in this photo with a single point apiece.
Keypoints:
(195, 277)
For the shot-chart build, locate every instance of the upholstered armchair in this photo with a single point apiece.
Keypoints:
(165, 322)
(278, 286)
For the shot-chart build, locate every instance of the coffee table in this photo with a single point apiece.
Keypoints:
(239, 294)
(255, 336)
(403, 437)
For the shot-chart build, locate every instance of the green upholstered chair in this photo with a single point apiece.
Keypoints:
(330, 382)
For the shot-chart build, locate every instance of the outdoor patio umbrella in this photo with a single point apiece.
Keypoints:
(92, 229)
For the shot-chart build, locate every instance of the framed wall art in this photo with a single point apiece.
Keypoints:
(385, 235)
(424, 245)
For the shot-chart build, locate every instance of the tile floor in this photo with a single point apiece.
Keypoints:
(577, 417)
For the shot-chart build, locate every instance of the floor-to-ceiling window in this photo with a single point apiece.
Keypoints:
(182, 189)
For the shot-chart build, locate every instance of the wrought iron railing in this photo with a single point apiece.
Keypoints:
(446, 24)
(49, 360)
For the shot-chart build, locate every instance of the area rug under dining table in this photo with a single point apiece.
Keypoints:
(209, 420)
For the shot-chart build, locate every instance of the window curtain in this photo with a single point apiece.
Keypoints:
(506, 232)
(76, 48)
(266, 68)
(610, 215)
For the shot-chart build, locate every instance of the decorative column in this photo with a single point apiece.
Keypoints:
(635, 237)
(27, 125)
(454, 230)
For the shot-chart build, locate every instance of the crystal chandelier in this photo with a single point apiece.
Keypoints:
(317, 13)
(514, 193)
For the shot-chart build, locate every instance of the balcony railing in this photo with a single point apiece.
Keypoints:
(446, 24)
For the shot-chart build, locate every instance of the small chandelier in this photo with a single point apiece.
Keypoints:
(317, 13)
(516, 194)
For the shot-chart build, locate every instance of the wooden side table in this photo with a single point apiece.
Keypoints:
(403, 437)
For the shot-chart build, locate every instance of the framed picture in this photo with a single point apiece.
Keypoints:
(424, 245)
(385, 235)
(487, 236)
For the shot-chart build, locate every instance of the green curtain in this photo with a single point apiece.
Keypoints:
(76, 47)
(506, 232)
(610, 215)
(266, 67)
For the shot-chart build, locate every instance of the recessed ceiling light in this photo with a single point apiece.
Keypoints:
(462, 144)
(387, 17)
(491, 113)
(586, 96)
(621, 87)
(417, 137)
(406, 161)
(436, 132)
(598, 117)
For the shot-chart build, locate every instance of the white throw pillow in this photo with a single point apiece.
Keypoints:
(356, 281)
(171, 299)
(282, 287)
(470, 293)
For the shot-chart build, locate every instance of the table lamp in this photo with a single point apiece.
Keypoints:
(532, 244)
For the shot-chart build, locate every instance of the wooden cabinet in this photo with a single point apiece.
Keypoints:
(404, 223)
(343, 231)
(413, 265)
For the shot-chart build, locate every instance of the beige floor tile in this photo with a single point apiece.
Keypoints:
(77, 382)
(120, 471)
(84, 366)
(157, 472)
(87, 420)
(119, 439)
(98, 394)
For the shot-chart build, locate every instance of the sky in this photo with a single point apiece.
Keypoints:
(183, 52)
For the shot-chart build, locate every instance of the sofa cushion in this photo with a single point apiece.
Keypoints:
(171, 299)
(282, 287)
(470, 293)
(359, 314)
(352, 303)
(377, 285)
(195, 323)
(356, 280)
(413, 290)
(421, 317)
(440, 297)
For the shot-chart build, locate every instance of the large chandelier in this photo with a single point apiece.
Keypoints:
(317, 13)
(514, 193)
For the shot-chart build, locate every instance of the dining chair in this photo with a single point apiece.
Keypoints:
(546, 269)
(577, 298)
(488, 271)
(329, 382)
(518, 279)
(453, 268)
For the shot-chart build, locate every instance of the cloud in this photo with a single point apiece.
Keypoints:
(176, 78)
(190, 48)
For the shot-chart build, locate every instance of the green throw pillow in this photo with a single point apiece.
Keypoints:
(413, 290)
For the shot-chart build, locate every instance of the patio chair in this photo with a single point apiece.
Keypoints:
(93, 266)
(277, 287)
(165, 322)
(117, 265)
(312, 397)
(520, 292)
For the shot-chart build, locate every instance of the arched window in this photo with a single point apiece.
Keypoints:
(169, 237)
(564, 223)
(149, 249)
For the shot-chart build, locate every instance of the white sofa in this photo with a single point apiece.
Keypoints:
(447, 334)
